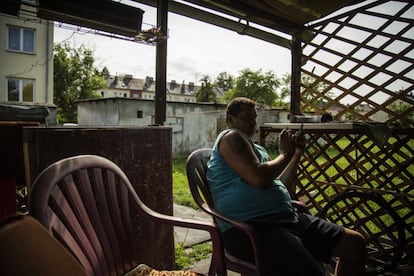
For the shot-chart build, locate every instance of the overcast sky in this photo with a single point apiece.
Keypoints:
(195, 49)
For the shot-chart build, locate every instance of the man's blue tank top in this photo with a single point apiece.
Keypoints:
(234, 198)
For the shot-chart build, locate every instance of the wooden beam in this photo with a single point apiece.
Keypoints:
(295, 81)
(161, 64)
(240, 27)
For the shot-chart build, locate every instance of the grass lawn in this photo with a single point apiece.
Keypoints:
(186, 257)
(181, 190)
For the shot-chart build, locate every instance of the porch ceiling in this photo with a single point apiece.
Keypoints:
(282, 15)
(243, 16)
(285, 16)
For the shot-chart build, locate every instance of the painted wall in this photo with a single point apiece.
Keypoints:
(37, 66)
(194, 125)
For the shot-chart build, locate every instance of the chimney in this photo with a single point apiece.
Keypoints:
(148, 82)
(191, 87)
(183, 88)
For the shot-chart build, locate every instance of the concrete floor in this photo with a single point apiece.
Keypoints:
(190, 237)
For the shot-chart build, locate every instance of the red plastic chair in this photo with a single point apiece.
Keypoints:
(196, 167)
(89, 205)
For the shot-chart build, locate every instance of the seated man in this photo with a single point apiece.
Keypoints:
(247, 186)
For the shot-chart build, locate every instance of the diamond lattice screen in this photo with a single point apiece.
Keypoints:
(359, 65)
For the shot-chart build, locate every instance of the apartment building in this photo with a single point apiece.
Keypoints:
(126, 86)
(26, 58)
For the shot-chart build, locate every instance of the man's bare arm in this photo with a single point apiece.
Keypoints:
(240, 156)
(288, 175)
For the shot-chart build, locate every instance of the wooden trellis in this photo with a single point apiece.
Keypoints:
(345, 157)
(339, 161)
(359, 65)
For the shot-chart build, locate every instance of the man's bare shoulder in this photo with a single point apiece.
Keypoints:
(235, 142)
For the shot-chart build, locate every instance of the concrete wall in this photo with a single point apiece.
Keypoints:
(194, 125)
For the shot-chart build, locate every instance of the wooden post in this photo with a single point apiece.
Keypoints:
(296, 76)
(161, 63)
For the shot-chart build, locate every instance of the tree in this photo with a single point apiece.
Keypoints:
(315, 92)
(403, 111)
(206, 92)
(258, 86)
(283, 97)
(105, 72)
(224, 81)
(75, 78)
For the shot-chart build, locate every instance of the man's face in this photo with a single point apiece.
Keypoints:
(245, 120)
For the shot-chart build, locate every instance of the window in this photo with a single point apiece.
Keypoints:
(20, 90)
(20, 39)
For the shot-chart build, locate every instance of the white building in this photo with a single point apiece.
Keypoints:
(126, 86)
(26, 56)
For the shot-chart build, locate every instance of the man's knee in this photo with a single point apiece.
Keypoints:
(352, 245)
(359, 243)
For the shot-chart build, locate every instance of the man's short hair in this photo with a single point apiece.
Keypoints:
(233, 108)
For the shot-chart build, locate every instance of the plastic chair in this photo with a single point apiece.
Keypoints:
(196, 167)
(89, 205)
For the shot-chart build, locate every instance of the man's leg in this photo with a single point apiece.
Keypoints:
(351, 251)
(285, 254)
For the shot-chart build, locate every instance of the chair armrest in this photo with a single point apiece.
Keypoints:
(218, 248)
(242, 226)
(235, 223)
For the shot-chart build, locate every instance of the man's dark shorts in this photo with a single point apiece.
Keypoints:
(289, 248)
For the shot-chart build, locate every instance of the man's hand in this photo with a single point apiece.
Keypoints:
(287, 143)
(300, 141)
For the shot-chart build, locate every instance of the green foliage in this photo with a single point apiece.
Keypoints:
(404, 110)
(312, 91)
(105, 72)
(283, 98)
(206, 92)
(224, 81)
(258, 86)
(181, 190)
(75, 78)
(184, 258)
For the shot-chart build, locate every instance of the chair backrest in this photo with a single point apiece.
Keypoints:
(90, 206)
(196, 168)
(84, 201)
